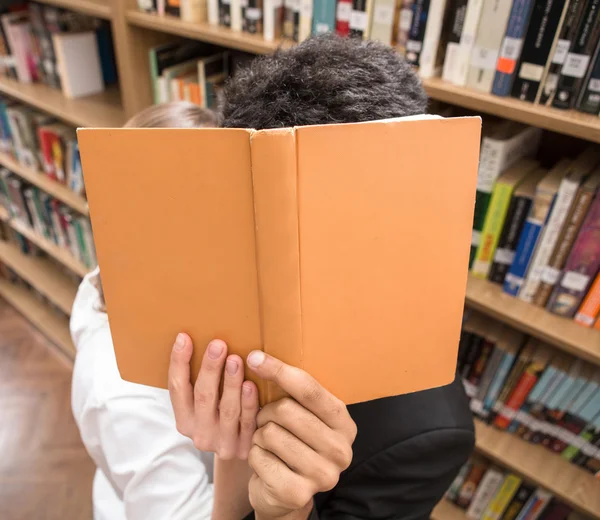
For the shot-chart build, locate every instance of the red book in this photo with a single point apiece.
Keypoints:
(45, 138)
(342, 17)
(528, 379)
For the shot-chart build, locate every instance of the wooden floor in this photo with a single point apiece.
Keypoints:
(45, 473)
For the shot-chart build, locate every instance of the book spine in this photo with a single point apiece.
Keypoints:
(559, 53)
(273, 13)
(579, 56)
(465, 342)
(510, 50)
(503, 497)
(556, 220)
(486, 379)
(518, 502)
(476, 372)
(453, 44)
(342, 17)
(404, 25)
(581, 267)
(486, 490)
(467, 41)
(469, 487)
(431, 40)
(458, 482)
(536, 505)
(382, 24)
(305, 21)
(498, 381)
(193, 11)
(545, 22)
(590, 308)
(589, 100)
(492, 227)
(213, 12)
(414, 45)
(324, 16)
(237, 14)
(472, 355)
(507, 244)
(253, 17)
(513, 378)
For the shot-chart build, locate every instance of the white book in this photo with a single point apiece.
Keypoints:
(213, 12)
(305, 25)
(236, 14)
(492, 27)
(486, 490)
(272, 19)
(467, 41)
(428, 63)
(382, 23)
(78, 63)
(194, 11)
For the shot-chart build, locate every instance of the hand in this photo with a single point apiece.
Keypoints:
(223, 426)
(302, 444)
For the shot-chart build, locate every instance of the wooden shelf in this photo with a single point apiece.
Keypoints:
(96, 8)
(446, 510)
(61, 254)
(42, 275)
(564, 333)
(99, 110)
(55, 327)
(42, 181)
(571, 484)
(569, 122)
(205, 32)
(4, 213)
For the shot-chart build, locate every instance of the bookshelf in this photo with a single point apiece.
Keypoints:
(46, 184)
(446, 510)
(55, 327)
(98, 8)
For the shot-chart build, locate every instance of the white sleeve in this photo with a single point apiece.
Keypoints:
(158, 472)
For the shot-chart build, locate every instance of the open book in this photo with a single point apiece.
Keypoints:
(340, 249)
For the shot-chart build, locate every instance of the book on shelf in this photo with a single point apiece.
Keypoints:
(493, 224)
(518, 501)
(503, 497)
(343, 14)
(360, 18)
(291, 19)
(272, 19)
(172, 7)
(404, 25)
(581, 266)
(567, 191)
(491, 29)
(589, 311)
(476, 473)
(194, 11)
(236, 13)
(580, 53)
(486, 490)
(467, 41)
(225, 13)
(589, 99)
(305, 21)
(147, 6)
(457, 12)
(324, 16)
(574, 221)
(542, 35)
(382, 21)
(435, 38)
(454, 489)
(512, 44)
(545, 194)
(251, 173)
(414, 44)
(503, 144)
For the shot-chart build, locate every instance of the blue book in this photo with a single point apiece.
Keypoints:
(510, 50)
(323, 16)
(498, 380)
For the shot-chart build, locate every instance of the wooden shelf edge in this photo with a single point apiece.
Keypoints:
(46, 184)
(569, 122)
(42, 275)
(573, 485)
(560, 332)
(90, 7)
(43, 318)
(446, 510)
(99, 110)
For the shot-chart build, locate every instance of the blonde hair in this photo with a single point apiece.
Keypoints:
(178, 114)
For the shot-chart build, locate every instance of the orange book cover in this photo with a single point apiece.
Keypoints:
(340, 249)
(589, 311)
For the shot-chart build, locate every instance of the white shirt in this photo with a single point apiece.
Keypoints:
(146, 469)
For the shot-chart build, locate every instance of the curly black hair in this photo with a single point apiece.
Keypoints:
(325, 79)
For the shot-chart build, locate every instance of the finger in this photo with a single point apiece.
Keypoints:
(247, 418)
(302, 387)
(206, 389)
(297, 456)
(180, 388)
(309, 429)
(286, 489)
(229, 407)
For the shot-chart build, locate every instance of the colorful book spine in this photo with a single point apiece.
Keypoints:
(589, 100)
(590, 308)
(467, 41)
(434, 39)
(498, 381)
(342, 17)
(453, 44)
(471, 483)
(579, 56)
(536, 505)
(324, 16)
(581, 267)
(414, 45)
(360, 19)
(486, 491)
(510, 51)
(382, 22)
(504, 496)
(546, 20)
(458, 481)
(518, 502)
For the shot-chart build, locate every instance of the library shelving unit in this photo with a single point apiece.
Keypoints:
(134, 34)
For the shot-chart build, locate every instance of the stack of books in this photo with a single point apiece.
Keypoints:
(540, 51)
(488, 492)
(62, 49)
(520, 385)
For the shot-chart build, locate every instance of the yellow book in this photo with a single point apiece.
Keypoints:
(496, 214)
(505, 494)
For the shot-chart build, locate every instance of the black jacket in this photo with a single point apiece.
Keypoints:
(407, 452)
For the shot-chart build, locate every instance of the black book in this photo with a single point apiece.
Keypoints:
(472, 355)
(414, 45)
(464, 345)
(541, 34)
(565, 37)
(225, 13)
(579, 57)
(172, 7)
(589, 99)
(455, 28)
(357, 25)
(253, 17)
(520, 498)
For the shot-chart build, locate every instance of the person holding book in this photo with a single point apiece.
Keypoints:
(145, 468)
(309, 455)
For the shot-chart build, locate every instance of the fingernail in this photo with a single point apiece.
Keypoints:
(214, 349)
(256, 358)
(231, 366)
(247, 389)
(179, 342)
